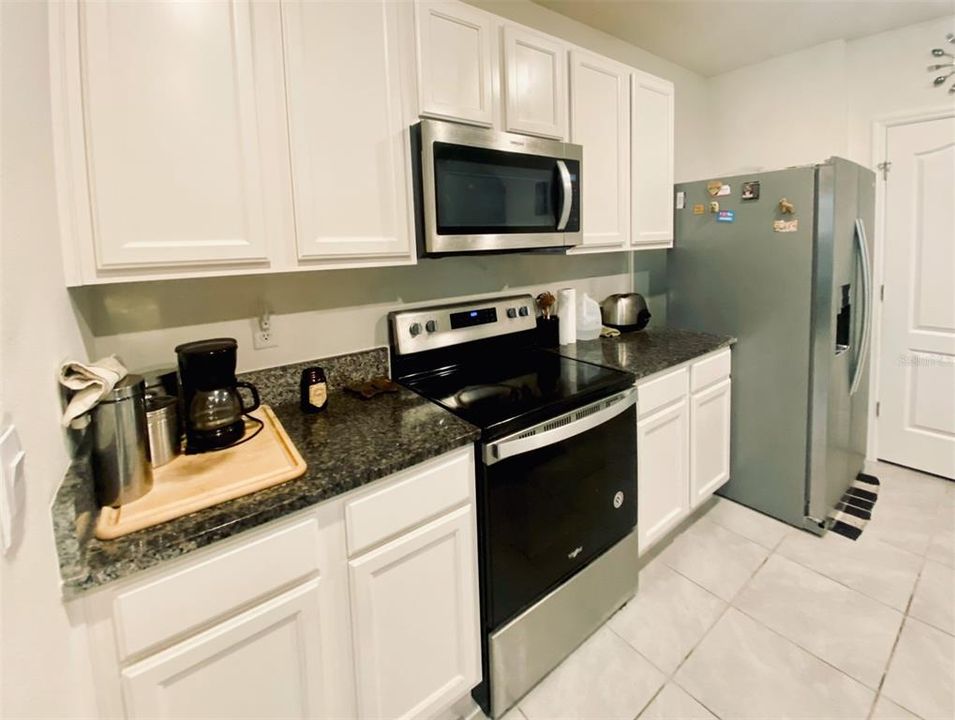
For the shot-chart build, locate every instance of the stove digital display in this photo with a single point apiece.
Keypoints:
(469, 318)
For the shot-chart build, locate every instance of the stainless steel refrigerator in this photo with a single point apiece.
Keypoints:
(788, 272)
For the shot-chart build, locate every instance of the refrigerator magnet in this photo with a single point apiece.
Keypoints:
(699, 209)
(723, 191)
(713, 187)
(750, 190)
(714, 206)
(726, 216)
(785, 226)
(680, 200)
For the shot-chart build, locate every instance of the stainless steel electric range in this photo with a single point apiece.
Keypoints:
(556, 473)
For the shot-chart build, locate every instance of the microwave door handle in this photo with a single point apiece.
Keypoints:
(517, 445)
(566, 195)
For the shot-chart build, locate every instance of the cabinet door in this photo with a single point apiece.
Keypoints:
(662, 473)
(652, 116)
(263, 663)
(415, 619)
(172, 127)
(709, 441)
(348, 129)
(455, 62)
(535, 84)
(600, 122)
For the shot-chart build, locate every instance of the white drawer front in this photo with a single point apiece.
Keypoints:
(709, 370)
(147, 615)
(655, 394)
(410, 499)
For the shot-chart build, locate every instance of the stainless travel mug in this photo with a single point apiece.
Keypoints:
(121, 468)
(162, 423)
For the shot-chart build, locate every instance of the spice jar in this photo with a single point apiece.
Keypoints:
(314, 390)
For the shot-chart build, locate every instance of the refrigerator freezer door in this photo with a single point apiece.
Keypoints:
(744, 278)
(844, 196)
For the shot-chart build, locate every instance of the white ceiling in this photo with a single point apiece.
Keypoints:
(714, 36)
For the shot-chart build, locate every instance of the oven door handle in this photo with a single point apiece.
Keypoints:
(566, 195)
(560, 428)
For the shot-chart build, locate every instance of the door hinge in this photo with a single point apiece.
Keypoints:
(885, 167)
(878, 408)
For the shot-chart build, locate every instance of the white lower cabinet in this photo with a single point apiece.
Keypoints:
(281, 623)
(662, 474)
(683, 442)
(710, 447)
(264, 663)
(414, 617)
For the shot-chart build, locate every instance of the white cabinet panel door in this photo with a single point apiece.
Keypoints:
(348, 128)
(172, 133)
(535, 84)
(415, 620)
(600, 122)
(709, 441)
(456, 62)
(264, 663)
(662, 473)
(652, 118)
(917, 360)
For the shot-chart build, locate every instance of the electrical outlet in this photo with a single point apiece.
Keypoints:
(263, 335)
(262, 339)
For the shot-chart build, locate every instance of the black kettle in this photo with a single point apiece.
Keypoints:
(212, 405)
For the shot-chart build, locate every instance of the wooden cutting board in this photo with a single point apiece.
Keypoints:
(194, 482)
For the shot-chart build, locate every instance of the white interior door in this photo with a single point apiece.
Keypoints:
(916, 425)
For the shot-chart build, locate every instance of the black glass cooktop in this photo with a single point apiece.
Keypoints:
(520, 389)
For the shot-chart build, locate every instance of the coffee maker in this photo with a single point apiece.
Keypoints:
(212, 406)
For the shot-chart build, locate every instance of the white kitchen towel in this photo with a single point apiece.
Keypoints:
(89, 383)
(567, 312)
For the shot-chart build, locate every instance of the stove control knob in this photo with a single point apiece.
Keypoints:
(523, 311)
(511, 313)
(415, 329)
(431, 326)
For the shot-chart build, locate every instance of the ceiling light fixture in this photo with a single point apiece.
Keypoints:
(950, 65)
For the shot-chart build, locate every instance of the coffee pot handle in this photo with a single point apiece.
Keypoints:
(255, 396)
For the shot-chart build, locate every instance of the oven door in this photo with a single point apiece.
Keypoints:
(557, 496)
(489, 191)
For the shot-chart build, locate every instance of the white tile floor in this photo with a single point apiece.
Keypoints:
(744, 617)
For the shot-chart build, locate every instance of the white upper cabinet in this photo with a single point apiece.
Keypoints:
(456, 62)
(171, 133)
(652, 122)
(535, 84)
(600, 122)
(348, 128)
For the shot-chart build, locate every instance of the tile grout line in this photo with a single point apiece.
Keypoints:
(671, 677)
(895, 645)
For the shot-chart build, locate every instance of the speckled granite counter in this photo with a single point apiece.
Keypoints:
(352, 443)
(648, 351)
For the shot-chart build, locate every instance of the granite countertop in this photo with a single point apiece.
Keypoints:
(352, 443)
(647, 351)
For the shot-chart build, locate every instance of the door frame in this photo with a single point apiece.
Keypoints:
(880, 133)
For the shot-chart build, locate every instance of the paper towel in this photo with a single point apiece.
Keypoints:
(567, 312)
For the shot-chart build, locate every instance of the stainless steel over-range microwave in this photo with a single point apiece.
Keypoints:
(477, 190)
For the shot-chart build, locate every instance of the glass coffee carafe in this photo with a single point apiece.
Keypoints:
(214, 410)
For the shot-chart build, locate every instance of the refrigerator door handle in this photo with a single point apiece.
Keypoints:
(866, 305)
